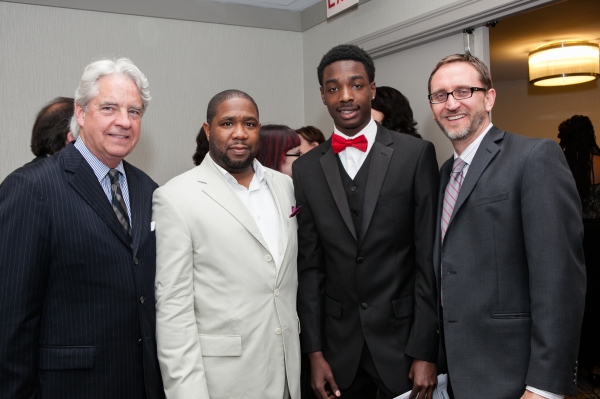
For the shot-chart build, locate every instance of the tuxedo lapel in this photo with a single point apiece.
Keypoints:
(485, 153)
(336, 186)
(217, 188)
(380, 160)
(136, 202)
(85, 183)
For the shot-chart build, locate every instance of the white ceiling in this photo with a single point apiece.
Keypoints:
(290, 5)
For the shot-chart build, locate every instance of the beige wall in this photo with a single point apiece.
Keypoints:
(537, 111)
(43, 51)
(366, 19)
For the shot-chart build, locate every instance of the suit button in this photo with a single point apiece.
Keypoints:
(278, 331)
(359, 259)
(142, 299)
(353, 188)
(139, 341)
(355, 214)
(268, 258)
(135, 261)
(276, 291)
(364, 305)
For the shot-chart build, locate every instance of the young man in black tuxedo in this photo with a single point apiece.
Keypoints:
(366, 293)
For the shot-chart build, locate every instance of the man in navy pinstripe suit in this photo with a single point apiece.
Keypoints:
(77, 256)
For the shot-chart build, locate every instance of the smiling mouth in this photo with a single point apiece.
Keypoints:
(119, 136)
(239, 150)
(455, 117)
(348, 113)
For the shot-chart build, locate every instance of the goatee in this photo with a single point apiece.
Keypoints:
(468, 131)
(230, 165)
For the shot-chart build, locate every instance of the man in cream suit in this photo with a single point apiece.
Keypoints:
(226, 268)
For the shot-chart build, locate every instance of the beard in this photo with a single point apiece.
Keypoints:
(477, 119)
(230, 165)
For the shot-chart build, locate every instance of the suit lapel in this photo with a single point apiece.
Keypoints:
(278, 197)
(380, 160)
(85, 183)
(485, 153)
(136, 202)
(217, 188)
(334, 181)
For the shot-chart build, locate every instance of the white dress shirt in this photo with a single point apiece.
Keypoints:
(467, 156)
(353, 158)
(259, 201)
(101, 172)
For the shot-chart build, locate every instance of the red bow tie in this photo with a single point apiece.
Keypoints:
(339, 144)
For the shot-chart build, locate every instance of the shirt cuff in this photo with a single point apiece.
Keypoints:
(547, 395)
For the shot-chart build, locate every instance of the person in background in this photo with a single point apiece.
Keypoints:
(226, 276)
(201, 147)
(578, 141)
(310, 137)
(279, 148)
(51, 130)
(77, 255)
(392, 110)
(508, 256)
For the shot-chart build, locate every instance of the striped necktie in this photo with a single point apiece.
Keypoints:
(118, 203)
(451, 194)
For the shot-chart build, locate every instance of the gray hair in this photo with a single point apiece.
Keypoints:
(88, 86)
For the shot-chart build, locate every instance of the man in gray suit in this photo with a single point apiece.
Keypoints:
(508, 255)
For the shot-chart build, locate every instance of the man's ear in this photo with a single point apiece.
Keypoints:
(490, 99)
(322, 94)
(314, 144)
(206, 128)
(79, 114)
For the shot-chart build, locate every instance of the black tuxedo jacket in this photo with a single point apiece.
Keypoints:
(380, 289)
(76, 299)
(513, 274)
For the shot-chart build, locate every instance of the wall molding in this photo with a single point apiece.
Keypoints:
(442, 22)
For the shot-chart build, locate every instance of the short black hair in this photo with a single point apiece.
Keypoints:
(219, 98)
(51, 127)
(345, 52)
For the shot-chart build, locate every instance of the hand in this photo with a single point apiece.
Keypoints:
(321, 377)
(424, 377)
(531, 395)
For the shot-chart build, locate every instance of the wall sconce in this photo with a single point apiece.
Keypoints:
(565, 63)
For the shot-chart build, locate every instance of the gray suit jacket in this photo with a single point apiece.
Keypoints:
(512, 270)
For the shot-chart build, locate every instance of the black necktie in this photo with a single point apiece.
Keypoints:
(118, 203)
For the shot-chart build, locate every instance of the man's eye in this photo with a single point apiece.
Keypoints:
(250, 124)
(331, 89)
(108, 108)
(462, 92)
(135, 112)
(357, 86)
(227, 124)
(439, 96)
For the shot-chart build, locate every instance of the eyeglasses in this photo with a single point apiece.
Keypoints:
(458, 94)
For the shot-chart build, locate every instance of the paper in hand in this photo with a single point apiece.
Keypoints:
(440, 391)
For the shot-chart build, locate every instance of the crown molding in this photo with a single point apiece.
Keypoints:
(442, 22)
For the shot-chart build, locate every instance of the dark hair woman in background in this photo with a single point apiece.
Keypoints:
(279, 148)
(201, 147)
(310, 137)
(392, 110)
(578, 142)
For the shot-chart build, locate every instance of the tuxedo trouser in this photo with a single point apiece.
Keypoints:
(367, 381)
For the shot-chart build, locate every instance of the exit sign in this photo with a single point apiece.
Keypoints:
(337, 6)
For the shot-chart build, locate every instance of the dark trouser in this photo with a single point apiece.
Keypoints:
(442, 365)
(367, 381)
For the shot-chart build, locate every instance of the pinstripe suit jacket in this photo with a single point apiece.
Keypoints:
(76, 299)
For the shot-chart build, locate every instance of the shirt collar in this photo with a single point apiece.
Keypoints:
(99, 168)
(469, 153)
(259, 172)
(370, 132)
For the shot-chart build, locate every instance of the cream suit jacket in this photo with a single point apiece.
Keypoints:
(226, 318)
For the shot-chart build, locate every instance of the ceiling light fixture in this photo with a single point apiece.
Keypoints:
(564, 63)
